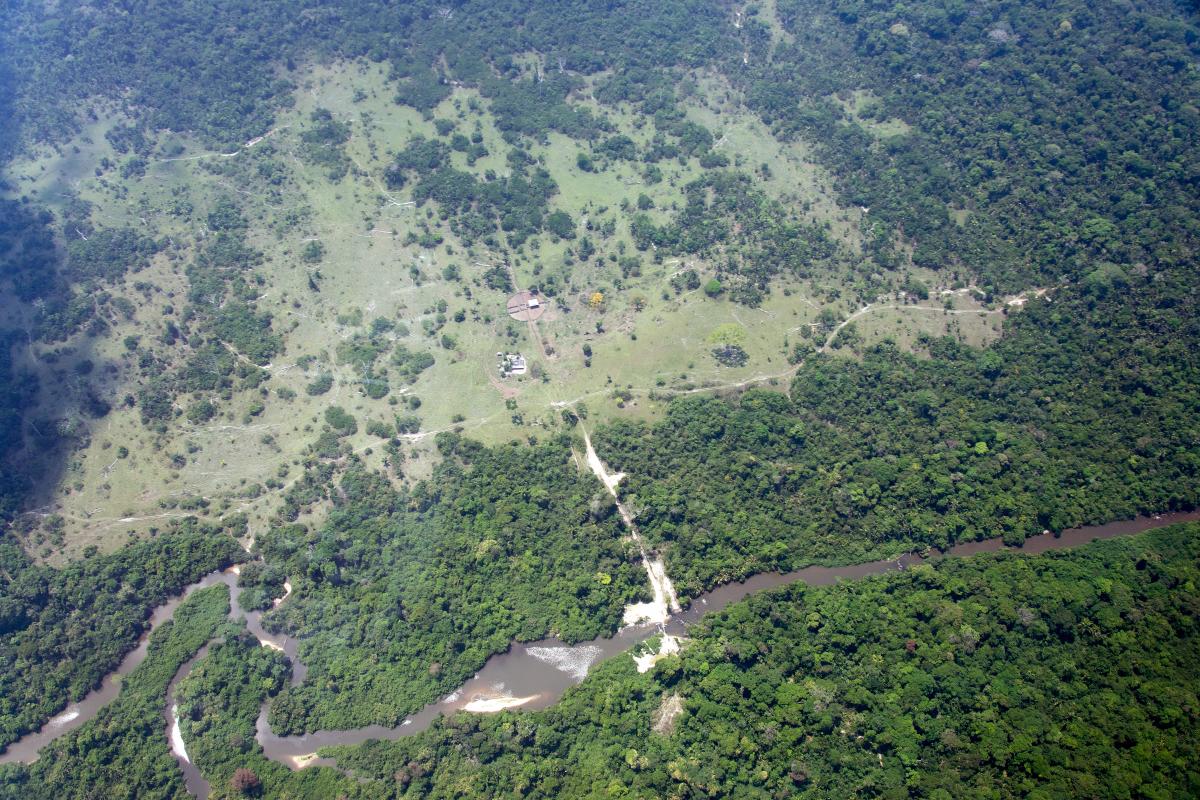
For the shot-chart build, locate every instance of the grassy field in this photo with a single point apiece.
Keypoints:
(859, 106)
(794, 177)
(646, 341)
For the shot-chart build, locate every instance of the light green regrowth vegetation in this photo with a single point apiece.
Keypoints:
(334, 269)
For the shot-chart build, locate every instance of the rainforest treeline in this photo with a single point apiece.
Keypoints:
(1048, 149)
(1041, 142)
(1084, 412)
(994, 676)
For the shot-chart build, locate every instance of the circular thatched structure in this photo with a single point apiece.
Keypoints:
(524, 306)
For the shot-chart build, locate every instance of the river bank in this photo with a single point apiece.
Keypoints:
(529, 675)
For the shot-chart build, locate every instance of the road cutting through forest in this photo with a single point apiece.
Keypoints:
(665, 602)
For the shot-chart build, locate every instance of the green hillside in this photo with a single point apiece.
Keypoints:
(342, 291)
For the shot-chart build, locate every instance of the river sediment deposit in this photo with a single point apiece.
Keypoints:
(528, 676)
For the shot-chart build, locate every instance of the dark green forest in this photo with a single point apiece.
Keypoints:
(219, 703)
(402, 596)
(1085, 411)
(996, 676)
(123, 752)
(63, 630)
(1051, 145)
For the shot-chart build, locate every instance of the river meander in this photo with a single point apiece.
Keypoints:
(529, 675)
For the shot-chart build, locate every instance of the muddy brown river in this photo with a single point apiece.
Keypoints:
(529, 675)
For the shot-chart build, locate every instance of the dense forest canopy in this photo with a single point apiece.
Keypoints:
(1018, 113)
(859, 461)
(1040, 159)
(1085, 411)
(123, 753)
(995, 676)
(403, 596)
(62, 631)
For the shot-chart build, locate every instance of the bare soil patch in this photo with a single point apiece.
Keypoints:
(525, 306)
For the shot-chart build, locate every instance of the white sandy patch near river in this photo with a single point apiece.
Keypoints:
(610, 480)
(287, 592)
(658, 610)
(178, 748)
(278, 601)
(668, 645)
(490, 705)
